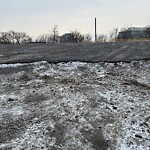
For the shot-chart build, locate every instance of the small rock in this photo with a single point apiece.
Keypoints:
(48, 128)
(144, 124)
(11, 99)
(114, 107)
(147, 118)
(76, 117)
(138, 136)
(133, 122)
(132, 101)
(148, 130)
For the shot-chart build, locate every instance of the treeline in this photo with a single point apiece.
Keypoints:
(54, 37)
(13, 37)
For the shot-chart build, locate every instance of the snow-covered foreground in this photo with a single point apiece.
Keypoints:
(75, 106)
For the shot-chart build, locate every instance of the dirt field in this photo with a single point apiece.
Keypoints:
(74, 105)
(85, 52)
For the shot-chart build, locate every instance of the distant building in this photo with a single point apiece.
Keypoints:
(133, 33)
(67, 38)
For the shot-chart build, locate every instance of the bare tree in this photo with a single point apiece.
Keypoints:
(5, 38)
(124, 29)
(44, 38)
(12, 37)
(27, 39)
(77, 36)
(88, 37)
(123, 34)
(19, 37)
(55, 34)
(102, 38)
(113, 35)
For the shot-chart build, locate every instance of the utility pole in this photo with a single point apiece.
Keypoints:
(95, 31)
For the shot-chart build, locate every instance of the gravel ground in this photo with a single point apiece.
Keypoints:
(75, 106)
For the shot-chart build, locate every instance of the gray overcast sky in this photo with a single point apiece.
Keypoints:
(39, 16)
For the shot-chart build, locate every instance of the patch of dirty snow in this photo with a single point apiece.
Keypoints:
(11, 65)
(75, 105)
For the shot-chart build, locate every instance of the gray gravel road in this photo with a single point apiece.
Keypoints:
(87, 52)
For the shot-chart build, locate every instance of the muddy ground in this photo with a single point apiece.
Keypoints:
(75, 106)
(85, 52)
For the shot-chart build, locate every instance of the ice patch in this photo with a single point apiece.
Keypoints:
(15, 111)
(11, 65)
